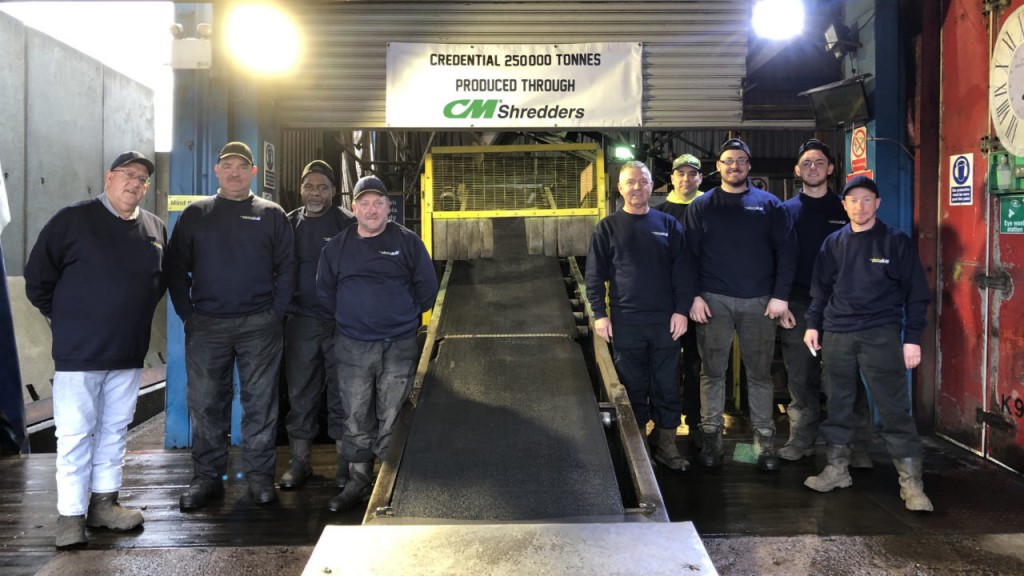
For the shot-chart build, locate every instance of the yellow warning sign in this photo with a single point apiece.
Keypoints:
(178, 203)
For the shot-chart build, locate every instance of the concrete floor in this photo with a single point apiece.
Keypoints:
(965, 536)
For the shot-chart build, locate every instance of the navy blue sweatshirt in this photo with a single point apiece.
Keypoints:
(645, 262)
(868, 279)
(376, 287)
(231, 258)
(813, 220)
(743, 243)
(311, 235)
(98, 278)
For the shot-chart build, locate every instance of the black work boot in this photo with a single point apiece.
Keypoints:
(711, 452)
(202, 490)
(357, 489)
(764, 445)
(262, 492)
(341, 476)
(665, 451)
(299, 468)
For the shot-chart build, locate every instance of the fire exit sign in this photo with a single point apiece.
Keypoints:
(1011, 211)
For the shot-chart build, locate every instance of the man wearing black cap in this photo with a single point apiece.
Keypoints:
(816, 212)
(868, 285)
(745, 248)
(309, 329)
(231, 276)
(375, 279)
(686, 178)
(96, 274)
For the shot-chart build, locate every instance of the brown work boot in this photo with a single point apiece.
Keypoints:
(71, 532)
(836, 473)
(105, 512)
(911, 485)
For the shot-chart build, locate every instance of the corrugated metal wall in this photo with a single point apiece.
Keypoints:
(694, 52)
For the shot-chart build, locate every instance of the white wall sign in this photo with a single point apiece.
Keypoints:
(961, 180)
(514, 85)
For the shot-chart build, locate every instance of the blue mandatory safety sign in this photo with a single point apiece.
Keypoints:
(961, 186)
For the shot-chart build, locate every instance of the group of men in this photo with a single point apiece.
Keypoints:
(338, 296)
(821, 270)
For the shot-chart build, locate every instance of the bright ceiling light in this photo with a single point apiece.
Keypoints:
(262, 38)
(778, 19)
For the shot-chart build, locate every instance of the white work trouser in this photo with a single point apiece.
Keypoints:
(91, 411)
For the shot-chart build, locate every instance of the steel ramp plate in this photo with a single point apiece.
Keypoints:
(507, 429)
(623, 549)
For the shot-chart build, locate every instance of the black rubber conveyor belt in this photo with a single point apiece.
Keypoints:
(507, 427)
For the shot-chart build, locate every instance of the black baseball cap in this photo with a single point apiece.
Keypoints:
(369, 184)
(815, 144)
(236, 149)
(735, 144)
(860, 182)
(133, 157)
(318, 167)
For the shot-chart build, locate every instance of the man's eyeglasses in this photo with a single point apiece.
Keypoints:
(321, 188)
(737, 161)
(141, 179)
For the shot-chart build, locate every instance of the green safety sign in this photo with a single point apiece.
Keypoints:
(1011, 213)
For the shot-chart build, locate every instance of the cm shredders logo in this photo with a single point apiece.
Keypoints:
(469, 108)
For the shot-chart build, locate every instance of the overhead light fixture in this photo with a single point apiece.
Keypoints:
(623, 152)
(778, 19)
(262, 38)
(840, 40)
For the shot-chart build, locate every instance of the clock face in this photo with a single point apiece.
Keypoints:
(1006, 84)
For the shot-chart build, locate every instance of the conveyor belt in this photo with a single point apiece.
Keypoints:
(507, 427)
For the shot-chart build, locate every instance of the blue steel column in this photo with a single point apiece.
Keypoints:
(211, 107)
(882, 56)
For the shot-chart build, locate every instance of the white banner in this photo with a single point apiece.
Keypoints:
(514, 85)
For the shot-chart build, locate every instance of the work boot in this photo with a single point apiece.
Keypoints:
(860, 459)
(299, 468)
(341, 476)
(764, 445)
(794, 451)
(105, 512)
(666, 453)
(357, 489)
(202, 490)
(835, 475)
(262, 492)
(70, 532)
(711, 452)
(911, 485)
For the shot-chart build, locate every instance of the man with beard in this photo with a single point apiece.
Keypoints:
(745, 248)
(309, 364)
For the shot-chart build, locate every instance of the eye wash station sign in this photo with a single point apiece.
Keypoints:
(514, 86)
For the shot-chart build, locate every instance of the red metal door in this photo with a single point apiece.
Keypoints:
(1005, 407)
(980, 392)
(963, 229)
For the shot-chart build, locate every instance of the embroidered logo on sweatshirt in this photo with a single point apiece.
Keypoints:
(879, 260)
(253, 218)
(754, 208)
(837, 222)
(660, 234)
(386, 253)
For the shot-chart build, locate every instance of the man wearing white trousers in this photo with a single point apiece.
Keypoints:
(96, 272)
